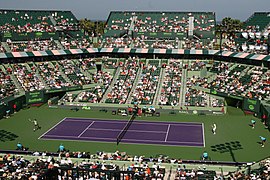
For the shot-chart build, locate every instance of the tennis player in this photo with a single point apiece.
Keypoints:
(36, 125)
(214, 128)
(253, 122)
(263, 139)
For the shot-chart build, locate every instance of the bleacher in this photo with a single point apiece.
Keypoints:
(35, 20)
(38, 30)
(51, 75)
(7, 86)
(147, 85)
(160, 24)
(170, 91)
(258, 20)
(254, 35)
(234, 79)
(123, 85)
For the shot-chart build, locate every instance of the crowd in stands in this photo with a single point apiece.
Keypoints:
(111, 42)
(183, 173)
(51, 75)
(22, 21)
(33, 45)
(235, 79)
(73, 72)
(160, 21)
(2, 49)
(123, 85)
(7, 86)
(195, 98)
(27, 77)
(147, 85)
(261, 172)
(170, 91)
(86, 64)
(242, 80)
(94, 95)
(47, 166)
(76, 43)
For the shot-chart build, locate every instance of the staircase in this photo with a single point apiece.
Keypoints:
(245, 71)
(5, 46)
(84, 72)
(39, 77)
(3, 69)
(59, 45)
(131, 28)
(17, 84)
(109, 89)
(129, 99)
(183, 88)
(53, 20)
(159, 86)
(63, 74)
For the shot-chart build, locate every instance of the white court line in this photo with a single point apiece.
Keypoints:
(203, 135)
(108, 121)
(52, 127)
(86, 128)
(137, 122)
(130, 130)
(138, 140)
(104, 119)
(168, 130)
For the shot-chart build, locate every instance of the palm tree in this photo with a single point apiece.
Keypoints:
(229, 26)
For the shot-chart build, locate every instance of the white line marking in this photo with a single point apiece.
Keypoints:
(139, 140)
(163, 122)
(203, 135)
(109, 142)
(114, 121)
(130, 130)
(86, 128)
(168, 130)
(137, 122)
(52, 128)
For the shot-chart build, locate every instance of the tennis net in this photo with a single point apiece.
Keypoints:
(124, 130)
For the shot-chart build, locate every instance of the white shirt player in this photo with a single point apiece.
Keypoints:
(214, 128)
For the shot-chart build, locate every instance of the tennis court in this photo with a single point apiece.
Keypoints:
(139, 132)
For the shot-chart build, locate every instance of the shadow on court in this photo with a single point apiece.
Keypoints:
(227, 147)
(7, 136)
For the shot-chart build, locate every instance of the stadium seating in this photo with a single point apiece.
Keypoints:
(8, 87)
(170, 92)
(159, 24)
(146, 88)
(27, 77)
(123, 85)
(74, 73)
(51, 76)
(183, 173)
(36, 45)
(29, 30)
(258, 20)
(35, 21)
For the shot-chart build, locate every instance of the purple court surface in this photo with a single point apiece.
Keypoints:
(140, 132)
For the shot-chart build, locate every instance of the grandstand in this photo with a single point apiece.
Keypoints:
(159, 70)
(33, 30)
(159, 29)
(254, 34)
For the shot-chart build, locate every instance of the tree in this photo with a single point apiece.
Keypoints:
(229, 26)
(96, 27)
